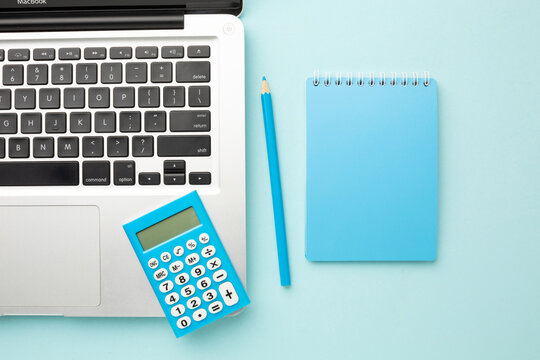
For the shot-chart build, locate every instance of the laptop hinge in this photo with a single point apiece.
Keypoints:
(92, 20)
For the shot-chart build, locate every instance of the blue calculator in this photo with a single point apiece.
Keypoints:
(186, 264)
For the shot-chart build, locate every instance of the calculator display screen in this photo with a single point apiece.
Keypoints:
(169, 228)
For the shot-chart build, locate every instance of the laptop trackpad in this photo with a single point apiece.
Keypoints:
(49, 256)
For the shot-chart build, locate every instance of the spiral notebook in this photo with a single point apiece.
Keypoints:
(372, 168)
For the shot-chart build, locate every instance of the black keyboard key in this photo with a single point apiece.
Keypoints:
(74, 98)
(200, 51)
(174, 96)
(96, 172)
(68, 147)
(31, 123)
(98, 98)
(124, 97)
(200, 178)
(174, 179)
(43, 147)
(2, 54)
(120, 53)
(161, 72)
(146, 52)
(86, 73)
(19, 147)
(69, 54)
(55, 123)
(186, 145)
(39, 173)
(199, 96)
(124, 173)
(192, 71)
(117, 146)
(148, 96)
(111, 73)
(80, 122)
(142, 146)
(154, 121)
(49, 98)
(62, 74)
(174, 166)
(37, 74)
(25, 99)
(130, 121)
(95, 53)
(8, 123)
(172, 52)
(18, 54)
(105, 122)
(2, 148)
(92, 146)
(44, 54)
(136, 72)
(5, 99)
(193, 120)
(12, 75)
(149, 178)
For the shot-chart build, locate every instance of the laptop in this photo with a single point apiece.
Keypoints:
(108, 110)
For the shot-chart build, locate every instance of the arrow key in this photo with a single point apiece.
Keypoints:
(200, 178)
(149, 178)
(174, 179)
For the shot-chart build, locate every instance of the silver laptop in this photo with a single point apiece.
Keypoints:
(109, 109)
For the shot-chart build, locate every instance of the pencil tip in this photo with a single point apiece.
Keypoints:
(264, 78)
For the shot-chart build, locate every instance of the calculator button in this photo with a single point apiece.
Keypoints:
(220, 275)
(176, 266)
(204, 283)
(166, 286)
(191, 244)
(197, 271)
(192, 259)
(178, 251)
(213, 264)
(184, 322)
(215, 307)
(228, 293)
(160, 274)
(209, 295)
(194, 302)
(173, 298)
(153, 263)
(187, 291)
(178, 310)
(181, 279)
(165, 257)
(208, 251)
(199, 315)
(204, 238)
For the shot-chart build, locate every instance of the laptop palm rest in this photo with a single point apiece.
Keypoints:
(49, 256)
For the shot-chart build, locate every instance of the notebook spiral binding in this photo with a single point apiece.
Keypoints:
(394, 79)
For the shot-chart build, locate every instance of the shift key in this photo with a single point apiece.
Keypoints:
(183, 145)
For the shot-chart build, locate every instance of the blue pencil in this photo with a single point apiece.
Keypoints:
(275, 181)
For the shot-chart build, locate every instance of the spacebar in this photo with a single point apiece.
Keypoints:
(39, 173)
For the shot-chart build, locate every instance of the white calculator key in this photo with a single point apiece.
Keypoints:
(176, 266)
(178, 251)
(172, 298)
(213, 264)
(191, 244)
(219, 275)
(187, 291)
(194, 302)
(160, 274)
(228, 293)
(198, 271)
(199, 315)
(208, 251)
(204, 238)
(166, 286)
(153, 263)
(215, 307)
(204, 283)
(165, 257)
(183, 322)
(192, 259)
(209, 295)
(181, 279)
(178, 310)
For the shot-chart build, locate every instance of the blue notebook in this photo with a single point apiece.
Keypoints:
(372, 169)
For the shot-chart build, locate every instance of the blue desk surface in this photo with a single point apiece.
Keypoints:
(479, 300)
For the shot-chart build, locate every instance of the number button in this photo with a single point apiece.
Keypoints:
(197, 271)
(176, 266)
(181, 279)
(199, 315)
(208, 251)
(215, 307)
(203, 283)
(194, 303)
(209, 295)
(204, 238)
(219, 275)
(165, 257)
(160, 274)
(213, 264)
(191, 244)
(192, 259)
(184, 322)
(178, 310)
(166, 286)
(228, 293)
(172, 298)
(178, 251)
(187, 291)
(153, 263)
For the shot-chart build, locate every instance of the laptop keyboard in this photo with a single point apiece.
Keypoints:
(91, 115)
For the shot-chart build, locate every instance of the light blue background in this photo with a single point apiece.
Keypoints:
(479, 300)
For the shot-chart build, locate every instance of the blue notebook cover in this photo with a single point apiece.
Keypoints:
(372, 171)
